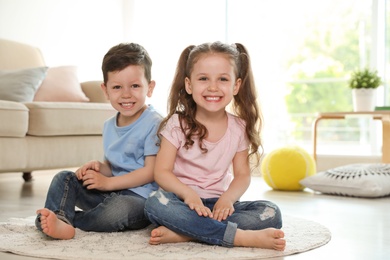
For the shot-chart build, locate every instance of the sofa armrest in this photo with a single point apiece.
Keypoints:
(93, 91)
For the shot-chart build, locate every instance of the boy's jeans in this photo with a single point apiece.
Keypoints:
(166, 209)
(101, 211)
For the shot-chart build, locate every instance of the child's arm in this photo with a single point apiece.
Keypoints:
(164, 176)
(141, 176)
(224, 206)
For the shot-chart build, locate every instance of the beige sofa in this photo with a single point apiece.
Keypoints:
(41, 135)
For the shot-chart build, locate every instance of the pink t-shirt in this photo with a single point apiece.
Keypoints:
(209, 174)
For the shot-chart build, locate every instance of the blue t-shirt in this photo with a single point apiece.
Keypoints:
(126, 147)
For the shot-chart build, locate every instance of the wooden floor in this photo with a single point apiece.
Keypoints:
(360, 227)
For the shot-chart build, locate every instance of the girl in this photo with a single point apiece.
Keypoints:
(200, 140)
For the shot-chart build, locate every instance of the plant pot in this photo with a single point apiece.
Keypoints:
(363, 99)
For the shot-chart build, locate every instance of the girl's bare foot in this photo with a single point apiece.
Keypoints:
(163, 235)
(269, 238)
(54, 227)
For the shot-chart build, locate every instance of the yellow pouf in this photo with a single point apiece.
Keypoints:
(283, 168)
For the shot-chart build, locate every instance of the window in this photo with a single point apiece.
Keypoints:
(302, 52)
(387, 53)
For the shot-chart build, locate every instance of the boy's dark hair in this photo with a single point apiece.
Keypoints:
(125, 54)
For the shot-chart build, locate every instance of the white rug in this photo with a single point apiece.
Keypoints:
(19, 236)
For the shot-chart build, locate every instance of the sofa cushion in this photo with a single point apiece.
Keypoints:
(21, 85)
(13, 118)
(16, 55)
(93, 91)
(67, 118)
(61, 84)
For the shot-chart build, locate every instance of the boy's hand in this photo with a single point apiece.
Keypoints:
(222, 209)
(194, 202)
(91, 165)
(95, 180)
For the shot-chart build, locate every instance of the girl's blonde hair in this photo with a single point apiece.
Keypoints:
(244, 104)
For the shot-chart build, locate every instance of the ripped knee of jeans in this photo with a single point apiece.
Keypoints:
(268, 212)
(160, 197)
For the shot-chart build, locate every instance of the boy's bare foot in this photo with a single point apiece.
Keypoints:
(269, 238)
(54, 227)
(163, 235)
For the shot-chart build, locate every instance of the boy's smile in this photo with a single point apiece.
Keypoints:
(127, 105)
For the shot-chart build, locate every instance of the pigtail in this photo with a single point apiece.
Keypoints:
(178, 95)
(177, 90)
(245, 103)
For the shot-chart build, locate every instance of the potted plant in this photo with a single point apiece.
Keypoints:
(363, 83)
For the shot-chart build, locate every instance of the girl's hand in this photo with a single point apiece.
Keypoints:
(222, 209)
(194, 202)
(95, 180)
(91, 165)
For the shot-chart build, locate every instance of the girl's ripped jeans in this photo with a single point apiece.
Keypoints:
(166, 209)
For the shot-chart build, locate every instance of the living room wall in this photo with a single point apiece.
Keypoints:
(68, 32)
(74, 32)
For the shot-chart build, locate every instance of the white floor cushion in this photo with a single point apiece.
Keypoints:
(357, 180)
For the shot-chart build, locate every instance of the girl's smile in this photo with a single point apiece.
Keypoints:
(214, 99)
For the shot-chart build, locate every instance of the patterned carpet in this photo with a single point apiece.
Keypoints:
(19, 236)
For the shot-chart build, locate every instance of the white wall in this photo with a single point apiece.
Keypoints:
(80, 32)
(68, 32)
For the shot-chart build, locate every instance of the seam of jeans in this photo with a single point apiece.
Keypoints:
(61, 213)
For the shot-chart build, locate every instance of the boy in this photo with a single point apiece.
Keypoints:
(111, 194)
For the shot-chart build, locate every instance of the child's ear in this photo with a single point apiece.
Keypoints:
(104, 88)
(187, 83)
(237, 86)
(151, 86)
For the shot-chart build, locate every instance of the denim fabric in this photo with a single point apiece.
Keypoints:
(166, 209)
(100, 211)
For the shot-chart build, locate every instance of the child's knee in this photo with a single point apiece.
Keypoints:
(62, 176)
(157, 201)
(273, 213)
